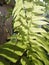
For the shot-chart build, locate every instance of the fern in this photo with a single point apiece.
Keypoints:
(30, 44)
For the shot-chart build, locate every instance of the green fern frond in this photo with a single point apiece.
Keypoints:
(30, 46)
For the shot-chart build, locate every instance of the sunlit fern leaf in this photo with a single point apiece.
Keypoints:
(31, 45)
(28, 22)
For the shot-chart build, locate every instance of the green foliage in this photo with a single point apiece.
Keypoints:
(30, 44)
(7, 1)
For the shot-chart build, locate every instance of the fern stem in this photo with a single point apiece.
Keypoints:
(26, 22)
